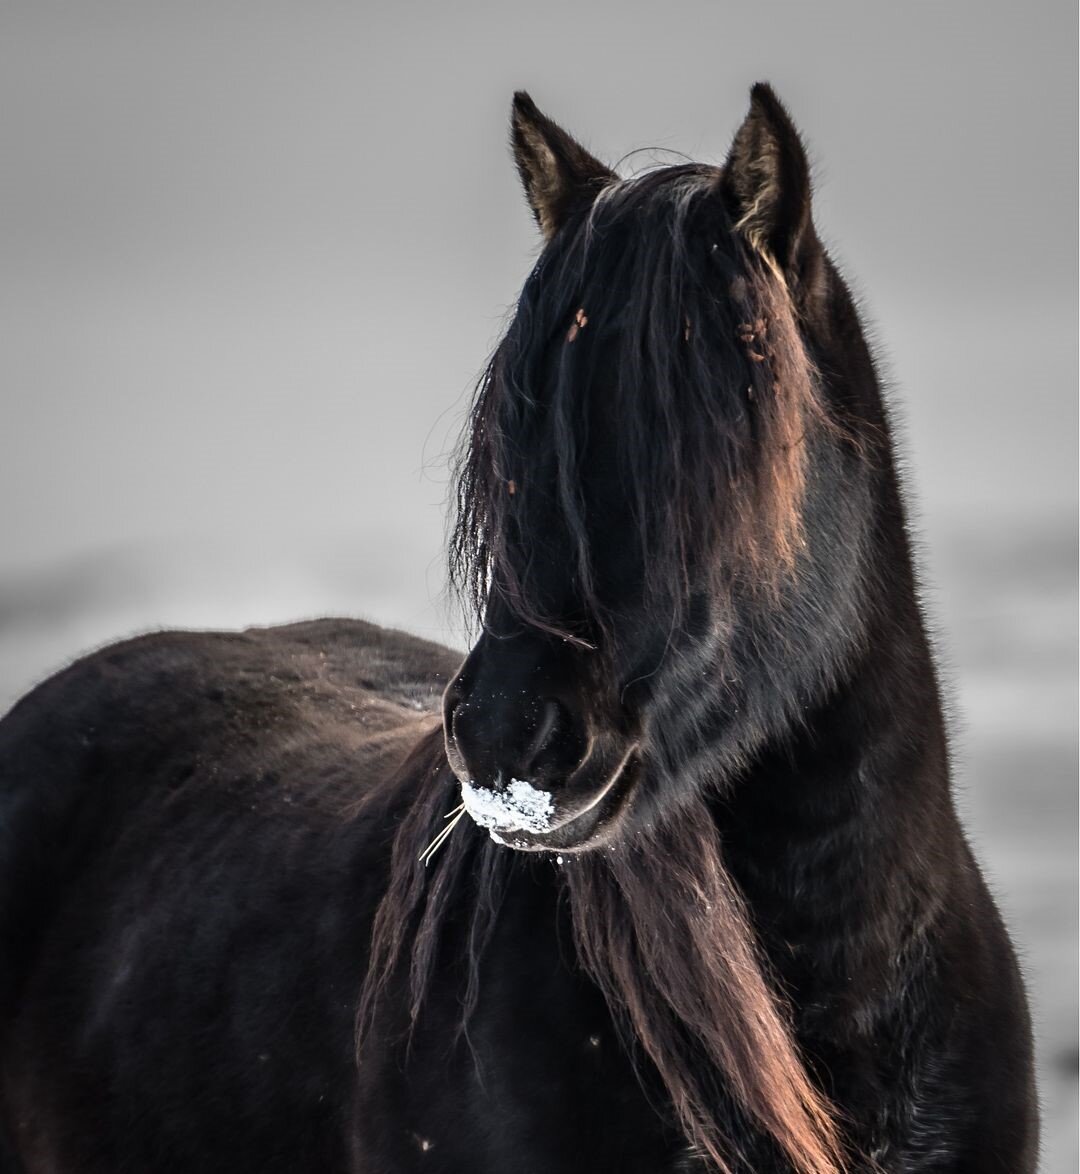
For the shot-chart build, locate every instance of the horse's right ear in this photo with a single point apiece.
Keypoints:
(558, 173)
(766, 182)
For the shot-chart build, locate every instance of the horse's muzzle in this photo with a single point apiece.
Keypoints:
(539, 768)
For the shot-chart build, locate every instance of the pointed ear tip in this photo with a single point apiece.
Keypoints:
(522, 105)
(766, 109)
(763, 96)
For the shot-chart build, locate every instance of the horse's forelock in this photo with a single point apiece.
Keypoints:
(713, 400)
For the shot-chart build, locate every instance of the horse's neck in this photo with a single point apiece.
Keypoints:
(841, 837)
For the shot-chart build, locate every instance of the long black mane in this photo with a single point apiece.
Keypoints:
(706, 401)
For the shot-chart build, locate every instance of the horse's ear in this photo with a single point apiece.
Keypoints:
(558, 173)
(766, 181)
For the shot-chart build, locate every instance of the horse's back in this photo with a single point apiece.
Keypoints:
(226, 714)
(186, 849)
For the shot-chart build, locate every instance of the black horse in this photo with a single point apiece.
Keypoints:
(674, 882)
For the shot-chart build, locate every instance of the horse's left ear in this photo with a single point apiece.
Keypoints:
(766, 182)
(557, 172)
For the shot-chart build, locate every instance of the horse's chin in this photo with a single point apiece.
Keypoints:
(592, 821)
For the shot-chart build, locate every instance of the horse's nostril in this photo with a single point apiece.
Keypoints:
(496, 735)
(451, 719)
(546, 727)
(451, 702)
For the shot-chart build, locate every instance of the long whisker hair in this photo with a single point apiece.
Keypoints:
(454, 817)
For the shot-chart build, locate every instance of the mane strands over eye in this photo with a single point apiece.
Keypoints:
(711, 401)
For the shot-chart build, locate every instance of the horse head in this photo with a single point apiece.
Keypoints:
(664, 479)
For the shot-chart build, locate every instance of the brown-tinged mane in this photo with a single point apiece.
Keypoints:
(662, 930)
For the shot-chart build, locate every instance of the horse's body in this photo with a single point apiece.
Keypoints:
(195, 896)
(195, 876)
(743, 929)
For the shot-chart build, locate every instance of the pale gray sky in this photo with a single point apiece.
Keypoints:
(252, 252)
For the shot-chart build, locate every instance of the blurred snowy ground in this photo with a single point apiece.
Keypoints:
(1002, 599)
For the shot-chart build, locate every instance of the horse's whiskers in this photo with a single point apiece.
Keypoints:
(436, 844)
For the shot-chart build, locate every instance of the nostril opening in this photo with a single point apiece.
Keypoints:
(550, 719)
(451, 701)
(450, 719)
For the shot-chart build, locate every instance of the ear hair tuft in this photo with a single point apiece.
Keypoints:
(767, 181)
(556, 171)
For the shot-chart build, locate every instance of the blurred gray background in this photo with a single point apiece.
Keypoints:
(255, 254)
